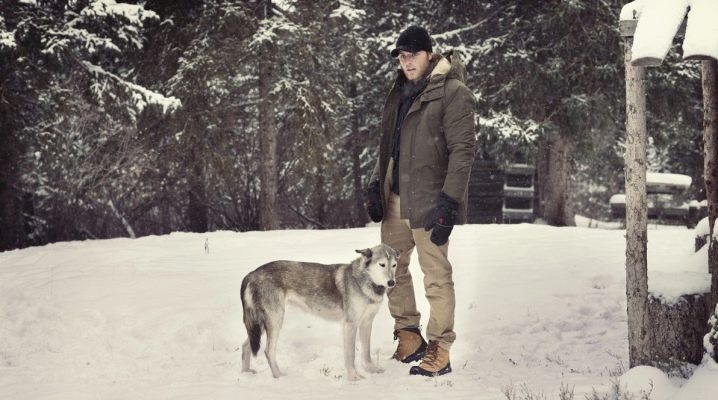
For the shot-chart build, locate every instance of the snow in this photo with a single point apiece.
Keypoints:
(701, 31)
(659, 21)
(510, 127)
(686, 272)
(135, 14)
(7, 39)
(658, 178)
(619, 198)
(141, 96)
(160, 317)
(703, 228)
(650, 381)
(654, 383)
(347, 12)
(632, 10)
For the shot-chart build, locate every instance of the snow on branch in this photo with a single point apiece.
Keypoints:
(348, 12)
(141, 96)
(269, 30)
(59, 41)
(448, 34)
(7, 39)
(74, 32)
(510, 127)
(135, 14)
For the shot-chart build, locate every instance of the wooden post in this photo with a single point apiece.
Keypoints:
(636, 211)
(710, 147)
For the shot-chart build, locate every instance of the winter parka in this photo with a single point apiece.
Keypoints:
(437, 142)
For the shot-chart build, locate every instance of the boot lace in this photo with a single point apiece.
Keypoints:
(431, 353)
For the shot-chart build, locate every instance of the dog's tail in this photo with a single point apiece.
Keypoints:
(253, 320)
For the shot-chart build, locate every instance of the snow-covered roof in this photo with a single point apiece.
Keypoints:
(657, 182)
(617, 199)
(658, 21)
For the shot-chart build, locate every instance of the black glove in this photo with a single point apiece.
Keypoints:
(442, 219)
(372, 200)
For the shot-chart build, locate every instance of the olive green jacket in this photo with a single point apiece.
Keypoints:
(437, 143)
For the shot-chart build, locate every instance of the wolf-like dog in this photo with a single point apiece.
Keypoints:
(351, 293)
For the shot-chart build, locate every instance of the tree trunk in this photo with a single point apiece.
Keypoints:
(357, 146)
(710, 146)
(197, 206)
(10, 222)
(636, 212)
(268, 218)
(553, 171)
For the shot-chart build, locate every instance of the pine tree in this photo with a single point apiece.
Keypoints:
(66, 55)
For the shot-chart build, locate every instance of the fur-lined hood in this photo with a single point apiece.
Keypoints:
(450, 65)
(444, 66)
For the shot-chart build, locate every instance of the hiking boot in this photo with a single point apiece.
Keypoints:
(411, 345)
(435, 361)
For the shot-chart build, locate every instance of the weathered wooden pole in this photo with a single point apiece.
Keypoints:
(710, 164)
(636, 211)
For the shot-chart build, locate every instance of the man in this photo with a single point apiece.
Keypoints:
(419, 190)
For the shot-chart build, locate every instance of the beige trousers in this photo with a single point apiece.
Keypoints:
(438, 282)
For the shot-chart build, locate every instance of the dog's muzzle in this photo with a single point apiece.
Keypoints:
(390, 284)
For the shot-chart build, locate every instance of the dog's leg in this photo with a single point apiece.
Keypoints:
(246, 357)
(365, 339)
(274, 325)
(350, 337)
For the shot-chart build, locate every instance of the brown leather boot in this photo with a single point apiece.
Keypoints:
(411, 345)
(435, 361)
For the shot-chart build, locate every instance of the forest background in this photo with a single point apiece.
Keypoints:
(142, 118)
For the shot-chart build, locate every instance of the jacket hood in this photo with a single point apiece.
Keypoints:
(444, 66)
(450, 64)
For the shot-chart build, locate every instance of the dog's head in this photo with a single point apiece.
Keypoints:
(379, 263)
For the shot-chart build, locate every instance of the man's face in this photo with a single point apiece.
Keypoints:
(414, 65)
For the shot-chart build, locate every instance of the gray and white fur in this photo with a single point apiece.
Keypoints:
(349, 293)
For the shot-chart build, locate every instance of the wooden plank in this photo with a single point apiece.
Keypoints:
(699, 57)
(628, 27)
(636, 211)
(647, 62)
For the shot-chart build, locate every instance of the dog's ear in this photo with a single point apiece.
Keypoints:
(397, 253)
(365, 252)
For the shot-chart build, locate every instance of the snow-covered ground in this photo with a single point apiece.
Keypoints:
(161, 318)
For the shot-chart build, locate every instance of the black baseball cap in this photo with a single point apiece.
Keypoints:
(412, 39)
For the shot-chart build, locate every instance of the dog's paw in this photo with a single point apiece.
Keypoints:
(249, 371)
(354, 376)
(373, 369)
